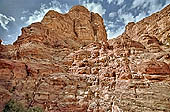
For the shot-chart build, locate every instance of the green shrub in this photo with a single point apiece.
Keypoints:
(34, 109)
(14, 106)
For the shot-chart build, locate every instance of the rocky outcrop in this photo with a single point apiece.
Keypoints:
(156, 25)
(11, 69)
(65, 64)
(72, 30)
(154, 67)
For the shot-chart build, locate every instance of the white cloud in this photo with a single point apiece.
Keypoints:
(140, 16)
(109, 1)
(38, 15)
(127, 18)
(119, 2)
(4, 20)
(110, 24)
(11, 38)
(110, 34)
(122, 10)
(25, 11)
(23, 18)
(94, 7)
(100, 0)
(114, 34)
(112, 14)
(167, 2)
(152, 5)
(137, 3)
(113, 29)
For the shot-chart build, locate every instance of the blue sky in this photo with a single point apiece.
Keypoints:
(15, 14)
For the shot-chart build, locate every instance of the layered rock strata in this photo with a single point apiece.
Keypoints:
(65, 64)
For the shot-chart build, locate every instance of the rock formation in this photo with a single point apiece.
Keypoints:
(66, 64)
(76, 28)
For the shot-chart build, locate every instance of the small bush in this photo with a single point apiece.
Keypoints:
(35, 109)
(14, 106)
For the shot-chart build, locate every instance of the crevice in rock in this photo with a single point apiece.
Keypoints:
(94, 27)
(27, 71)
(74, 30)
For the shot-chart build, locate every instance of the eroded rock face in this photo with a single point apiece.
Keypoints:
(155, 25)
(11, 69)
(65, 64)
(154, 67)
(76, 28)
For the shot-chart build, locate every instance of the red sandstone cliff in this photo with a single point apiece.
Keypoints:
(65, 64)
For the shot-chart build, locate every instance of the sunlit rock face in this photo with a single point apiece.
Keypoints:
(156, 25)
(66, 64)
(76, 28)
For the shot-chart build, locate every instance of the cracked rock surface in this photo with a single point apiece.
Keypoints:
(66, 64)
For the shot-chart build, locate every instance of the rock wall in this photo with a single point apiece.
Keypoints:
(66, 64)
